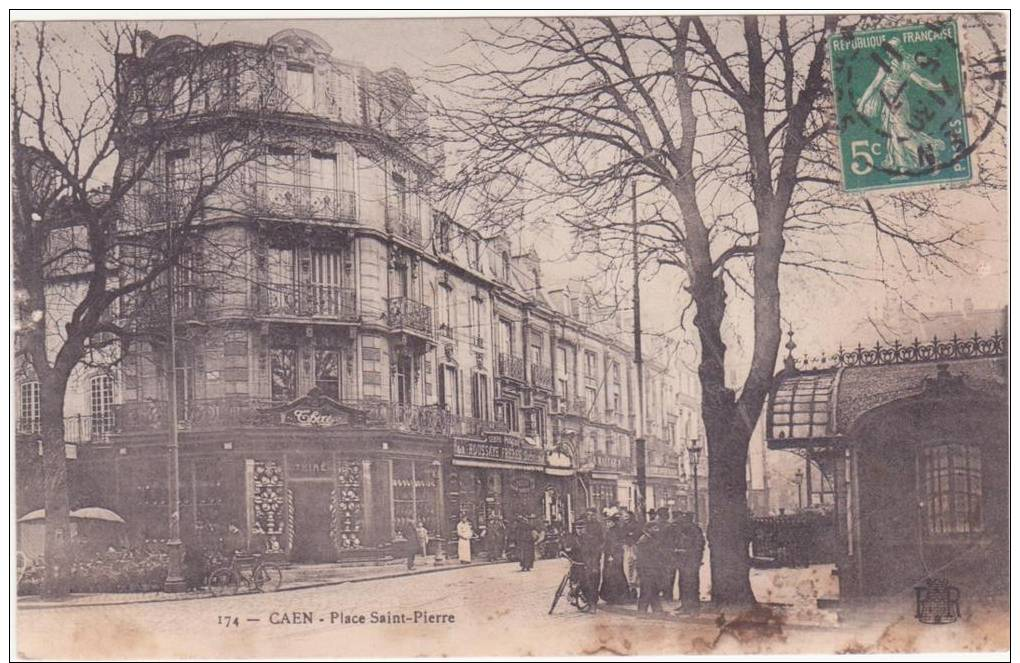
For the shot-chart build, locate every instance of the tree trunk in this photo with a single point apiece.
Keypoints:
(726, 446)
(55, 492)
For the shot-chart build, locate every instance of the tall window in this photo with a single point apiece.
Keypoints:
(399, 196)
(281, 168)
(443, 232)
(404, 379)
(322, 179)
(479, 396)
(282, 293)
(536, 349)
(28, 407)
(590, 401)
(562, 373)
(326, 293)
(951, 486)
(446, 310)
(283, 362)
(184, 380)
(506, 336)
(449, 396)
(506, 266)
(300, 87)
(327, 372)
(589, 364)
(101, 403)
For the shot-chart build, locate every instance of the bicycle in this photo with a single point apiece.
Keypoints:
(249, 569)
(575, 594)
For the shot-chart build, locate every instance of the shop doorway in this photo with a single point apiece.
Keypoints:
(312, 542)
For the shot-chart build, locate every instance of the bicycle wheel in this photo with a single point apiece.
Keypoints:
(267, 577)
(222, 581)
(559, 592)
(578, 598)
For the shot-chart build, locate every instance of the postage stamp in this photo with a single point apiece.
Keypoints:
(900, 107)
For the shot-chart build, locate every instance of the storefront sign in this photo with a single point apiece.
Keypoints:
(313, 467)
(314, 411)
(497, 448)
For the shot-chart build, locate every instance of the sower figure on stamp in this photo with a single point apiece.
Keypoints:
(691, 550)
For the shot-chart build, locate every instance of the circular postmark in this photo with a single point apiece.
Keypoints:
(905, 106)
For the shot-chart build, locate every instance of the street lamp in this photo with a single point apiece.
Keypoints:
(693, 455)
(798, 478)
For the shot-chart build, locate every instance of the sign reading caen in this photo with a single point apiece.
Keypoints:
(498, 448)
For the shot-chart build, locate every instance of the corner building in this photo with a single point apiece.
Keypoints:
(360, 360)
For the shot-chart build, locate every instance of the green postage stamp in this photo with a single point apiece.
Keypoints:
(900, 107)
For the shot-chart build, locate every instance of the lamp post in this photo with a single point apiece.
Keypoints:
(175, 550)
(798, 478)
(693, 455)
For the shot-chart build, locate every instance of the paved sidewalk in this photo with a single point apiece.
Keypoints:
(299, 576)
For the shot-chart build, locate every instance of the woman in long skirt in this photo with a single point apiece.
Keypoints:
(464, 536)
(614, 581)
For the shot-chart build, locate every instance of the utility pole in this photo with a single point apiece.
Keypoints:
(175, 550)
(639, 429)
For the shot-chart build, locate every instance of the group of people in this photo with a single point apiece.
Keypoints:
(523, 536)
(627, 561)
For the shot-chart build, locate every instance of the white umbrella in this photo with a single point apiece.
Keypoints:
(86, 513)
(96, 513)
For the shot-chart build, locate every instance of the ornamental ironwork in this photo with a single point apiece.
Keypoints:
(268, 501)
(345, 506)
(917, 352)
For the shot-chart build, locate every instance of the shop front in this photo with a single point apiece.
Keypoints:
(499, 475)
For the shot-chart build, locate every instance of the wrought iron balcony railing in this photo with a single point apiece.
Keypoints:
(290, 201)
(154, 209)
(310, 300)
(511, 367)
(404, 226)
(612, 463)
(78, 429)
(229, 413)
(406, 315)
(541, 376)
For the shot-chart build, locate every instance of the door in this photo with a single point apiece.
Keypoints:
(312, 541)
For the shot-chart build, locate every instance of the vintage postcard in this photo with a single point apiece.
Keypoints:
(599, 334)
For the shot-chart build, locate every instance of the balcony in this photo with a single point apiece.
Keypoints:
(216, 414)
(541, 376)
(293, 201)
(511, 367)
(308, 301)
(408, 316)
(404, 226)
(78, 429)
(610, 463)
(144, 211)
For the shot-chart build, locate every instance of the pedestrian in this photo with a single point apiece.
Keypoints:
(423, 537)
(691, 551)
(464, 535)
(525, 538)
(410, 534)
(592, 541)
(650, 564)
(671, 538)
(614, 581)
(631, 531)
(495, 537)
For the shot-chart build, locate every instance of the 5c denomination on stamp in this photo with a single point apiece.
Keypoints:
(900, 107)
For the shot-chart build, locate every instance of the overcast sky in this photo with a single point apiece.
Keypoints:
(824, 313)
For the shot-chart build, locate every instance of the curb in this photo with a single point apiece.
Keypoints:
(196, 596)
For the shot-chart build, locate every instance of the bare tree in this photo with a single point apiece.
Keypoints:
(725, 123)
(102, 209)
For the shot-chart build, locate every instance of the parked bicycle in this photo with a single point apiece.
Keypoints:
(573, 584)
(247, 569)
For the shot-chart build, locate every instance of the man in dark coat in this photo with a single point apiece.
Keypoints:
(495, 539)
(525, 536)
(410, 534)
(650, 565)
(690, 551)
(592, 540)
(671, 542)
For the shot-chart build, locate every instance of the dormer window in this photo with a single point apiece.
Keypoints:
(300, 87)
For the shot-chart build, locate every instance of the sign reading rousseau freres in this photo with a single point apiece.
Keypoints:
(900, 107)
